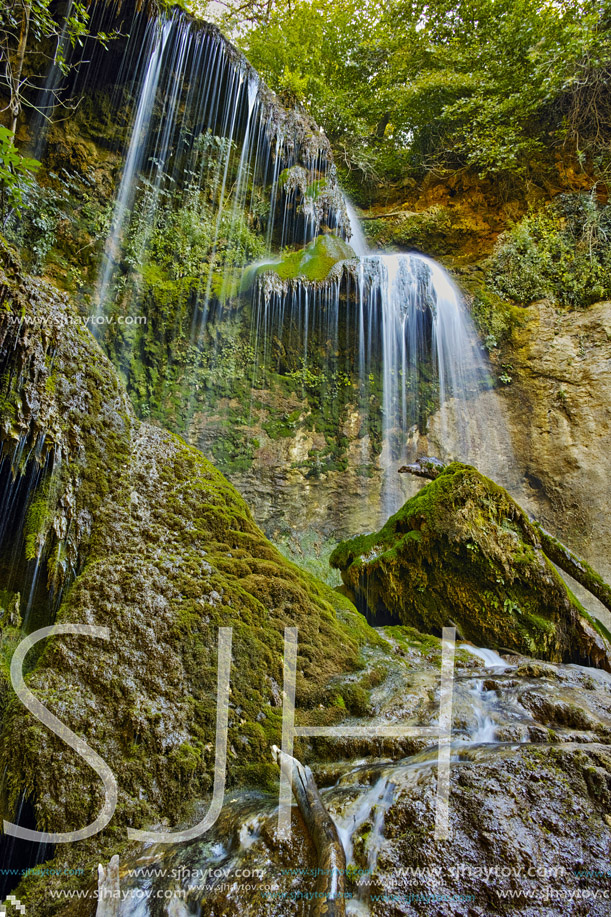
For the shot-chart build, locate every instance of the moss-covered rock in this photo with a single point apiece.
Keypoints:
(313, 263)
(163, 552)
(463, 551)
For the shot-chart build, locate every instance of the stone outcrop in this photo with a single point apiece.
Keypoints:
(529, 810)
(559, 410)
(463, 551)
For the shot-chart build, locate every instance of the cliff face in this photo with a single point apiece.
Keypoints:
(283, 415)
(115, 521)
(559, 406)
(550, 356)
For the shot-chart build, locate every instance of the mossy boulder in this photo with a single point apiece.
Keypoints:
(462, 551)
(163, 551)
(313, 263)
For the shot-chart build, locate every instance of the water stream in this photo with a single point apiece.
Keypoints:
(398, 323)
(496, 704)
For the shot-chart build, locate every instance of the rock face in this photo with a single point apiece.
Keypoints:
(499, 836)
(156, 545)
(463, 551)
(562, 385)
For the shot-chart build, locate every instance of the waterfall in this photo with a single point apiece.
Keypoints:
(207, 135)
(214, 163)
(357, 236)
(399, 319)
(467, 427)
(135, 152)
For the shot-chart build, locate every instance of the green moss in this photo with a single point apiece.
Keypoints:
(167, 552)
(282, 427)
(40, 516)
(494, 318)
(462, 550)
(312, 263)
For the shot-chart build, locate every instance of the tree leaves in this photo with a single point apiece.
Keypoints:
(485, 84)
(16, 173)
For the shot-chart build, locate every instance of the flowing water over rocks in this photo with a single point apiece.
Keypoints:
(530, 805)
(402, 317)
(309, 378)
(330, 367)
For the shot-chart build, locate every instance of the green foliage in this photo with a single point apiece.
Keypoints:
(34, 228)
(16, 174)
(184, 253)
(413, 84)
(25, 25)
(561, 253)
(493, 317)
(312, 262)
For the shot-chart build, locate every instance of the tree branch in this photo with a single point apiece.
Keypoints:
(330, 883)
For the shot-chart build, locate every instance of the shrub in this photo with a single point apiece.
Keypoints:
(561, 253)
(16, 174)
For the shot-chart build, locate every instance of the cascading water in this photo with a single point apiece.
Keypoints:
(382, 344)
(125, 195)
(396, 322)
(406, 286)
(365, 795)
(205, 132)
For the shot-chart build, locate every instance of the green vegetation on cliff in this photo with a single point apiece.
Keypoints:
(496, 86)
(313, 263)
(561, 253)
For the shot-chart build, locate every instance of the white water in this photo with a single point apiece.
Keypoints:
(133, 159)
(489, 657)
(467, 426)
(357, 236)
(485, 727)
(379, 797)
(216, 143)
(401, 319)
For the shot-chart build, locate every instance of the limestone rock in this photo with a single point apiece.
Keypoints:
(561, 369)
(463, 551)
(163, 551)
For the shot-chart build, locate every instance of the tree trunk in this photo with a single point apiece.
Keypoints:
(329, 899)
(17, 71)
(425, 467)
(575, 567)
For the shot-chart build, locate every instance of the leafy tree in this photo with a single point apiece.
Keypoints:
(33, 38)
(420, 85)
(16, 173)
(30, 31)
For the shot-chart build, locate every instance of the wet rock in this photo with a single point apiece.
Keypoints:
(529, 819)
(528, 836)
(463, 550)
(157, 546)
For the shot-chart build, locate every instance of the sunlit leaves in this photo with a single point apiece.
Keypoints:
(16, 173)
